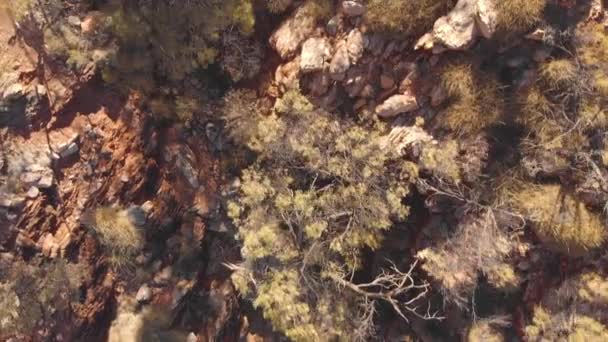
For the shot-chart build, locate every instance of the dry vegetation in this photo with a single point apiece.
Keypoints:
(409, 17)
(117, 234)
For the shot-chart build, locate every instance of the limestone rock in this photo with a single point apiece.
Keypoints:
(315, 54)
(288, 38)
(353, 8)
(397, 104)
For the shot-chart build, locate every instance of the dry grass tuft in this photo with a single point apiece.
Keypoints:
(519, 15)
(409, 17)
(475, 99)
(119, 237)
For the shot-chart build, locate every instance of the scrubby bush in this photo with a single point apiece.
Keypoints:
(592, 44)
(278, 6)
(576, 311)
(18, 8)
(163, 46)
(487, 330)
(475, 99)
(519, 15)
(562, 222)
(31, 297)
(321, 191)
(120, 238)
(409, 17)
(478, 246)
(241, 58)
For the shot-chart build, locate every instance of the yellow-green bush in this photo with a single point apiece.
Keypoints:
(562, 222)
(503, 277)
(409, 17)
(441, 160)
(319, 194)
(475, 100)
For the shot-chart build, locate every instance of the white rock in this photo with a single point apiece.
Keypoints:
(144, 294)
(33, 192)
(486, 17)
(46, 181)
(315, 54)
(457, 30)
(286, 40)
(397, 104)
(352, 8)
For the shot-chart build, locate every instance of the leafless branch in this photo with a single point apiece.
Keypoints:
(393, 287)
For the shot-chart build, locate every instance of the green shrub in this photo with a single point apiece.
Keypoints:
(562, 222)
(409, 17)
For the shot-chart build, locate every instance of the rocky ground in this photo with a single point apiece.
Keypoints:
(69, 143)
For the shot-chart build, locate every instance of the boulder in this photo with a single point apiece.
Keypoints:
(144, 294)
(355, 43)
(353, 8)
(288, 38)
(315, 54)
(486, 17)
(397, 104)
(340, 63)
(457, 30)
